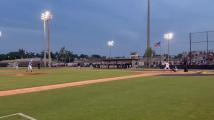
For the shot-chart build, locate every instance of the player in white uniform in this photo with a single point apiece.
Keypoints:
(30, 68)
(17, 66)
(167, 66)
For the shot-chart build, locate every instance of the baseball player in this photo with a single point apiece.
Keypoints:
(17, 66)
(167, 66)
(30, 68)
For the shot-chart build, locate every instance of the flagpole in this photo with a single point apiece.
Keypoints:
(161, 52)
(158, 45)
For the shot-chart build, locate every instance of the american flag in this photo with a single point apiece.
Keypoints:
(158, 44)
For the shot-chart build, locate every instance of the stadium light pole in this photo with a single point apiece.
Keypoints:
(148, 58)
(0, 34)
(148, 24)
(110, 44)
(43, 17)
(46, 17)
(168, 37)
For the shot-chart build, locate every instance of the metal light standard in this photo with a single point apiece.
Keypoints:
(49, 39)
(148, 24)
(148, 57)
(0, 34)
(110, 44)
(43, 17)
(46, 17)
(168, 37)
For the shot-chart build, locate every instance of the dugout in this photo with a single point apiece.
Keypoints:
(21, 62)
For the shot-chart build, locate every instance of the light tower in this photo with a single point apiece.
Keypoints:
(110, 44)
(148, 47)
(148, 26)
(168, 37)
(47, 17)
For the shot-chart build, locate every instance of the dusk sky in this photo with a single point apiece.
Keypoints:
(85, 26)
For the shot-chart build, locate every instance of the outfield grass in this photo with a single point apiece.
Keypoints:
(150, 98)
(12, 79)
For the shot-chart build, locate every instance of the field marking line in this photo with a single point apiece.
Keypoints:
(20, 114)
(6, 116)
(26, 116)
(64, 85)
(74, 84)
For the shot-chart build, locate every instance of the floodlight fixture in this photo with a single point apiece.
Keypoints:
(110, 43)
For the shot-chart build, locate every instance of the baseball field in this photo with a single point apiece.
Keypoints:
(93, 94)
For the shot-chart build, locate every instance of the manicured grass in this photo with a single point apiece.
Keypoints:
(12, 79)
(150, 98)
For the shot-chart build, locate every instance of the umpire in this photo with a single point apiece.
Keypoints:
(185, 65)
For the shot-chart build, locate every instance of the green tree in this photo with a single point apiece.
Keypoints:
(83, 56)
(21, 53)
(96, 56)
(148, 55)
(65, 55)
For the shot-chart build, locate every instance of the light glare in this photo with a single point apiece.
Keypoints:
(110, 43)
(46, 15)
(168, 36)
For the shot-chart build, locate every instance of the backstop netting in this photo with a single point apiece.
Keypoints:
(202, 48)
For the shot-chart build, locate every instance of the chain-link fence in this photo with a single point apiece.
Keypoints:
(201, 48)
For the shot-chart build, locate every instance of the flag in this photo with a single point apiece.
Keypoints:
(158, 44)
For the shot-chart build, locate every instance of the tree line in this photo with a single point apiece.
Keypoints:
(63, 55)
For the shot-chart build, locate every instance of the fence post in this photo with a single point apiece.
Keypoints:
(190, 53)
(207, 37)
